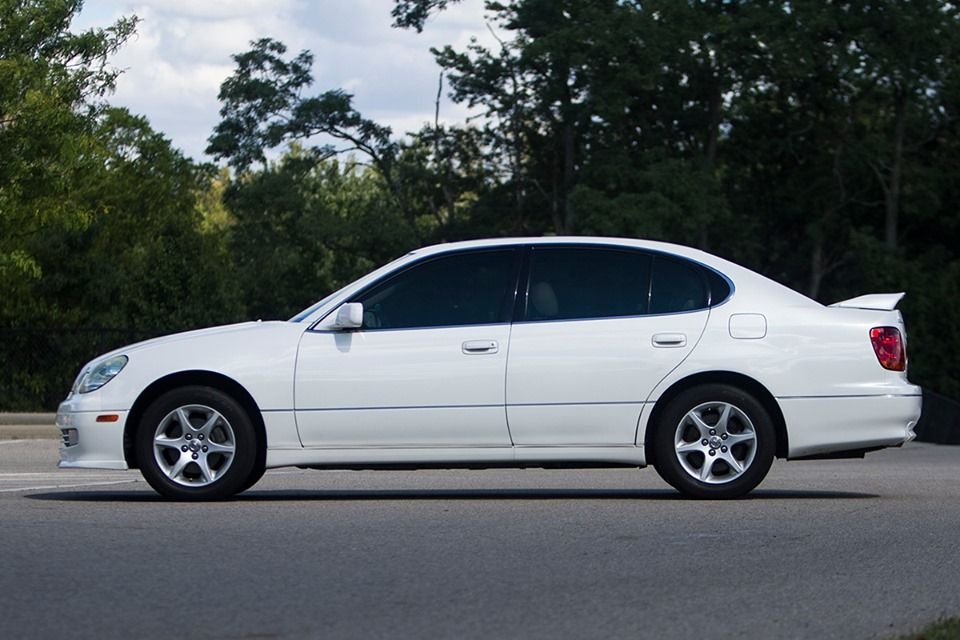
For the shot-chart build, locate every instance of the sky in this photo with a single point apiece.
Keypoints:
(174, 65)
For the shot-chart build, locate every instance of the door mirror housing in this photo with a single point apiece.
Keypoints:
(349, 316)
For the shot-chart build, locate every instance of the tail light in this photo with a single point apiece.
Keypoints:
(888, 345)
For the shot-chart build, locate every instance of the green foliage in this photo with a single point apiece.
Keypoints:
(263, 108)
(148, 265)
(946, 629)
(812, 142)
(46, 130)
(140, 265)
(669, 199)
(414, 13)
(303, 229)
(101, 238)
(816, 142)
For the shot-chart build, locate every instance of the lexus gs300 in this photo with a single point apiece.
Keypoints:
(529, 352)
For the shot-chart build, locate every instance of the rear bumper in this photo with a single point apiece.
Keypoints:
(825, 425)
(88, 444)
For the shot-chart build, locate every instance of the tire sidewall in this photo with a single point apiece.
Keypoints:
(665, 457)
(241, 468)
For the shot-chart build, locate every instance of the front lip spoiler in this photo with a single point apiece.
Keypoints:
(118, 465)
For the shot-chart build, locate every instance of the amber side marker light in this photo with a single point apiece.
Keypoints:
(108, 417)
(888, 345)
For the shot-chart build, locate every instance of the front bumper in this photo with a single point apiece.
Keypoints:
(825, 425)
(88, 444)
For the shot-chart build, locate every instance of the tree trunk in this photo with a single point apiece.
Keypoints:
(710, 152)
(565, 215)
(891, 195)
(816, 267)
(569, 213)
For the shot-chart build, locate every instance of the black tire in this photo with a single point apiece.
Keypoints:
(255, 475)
(705, 450)
(213, 458)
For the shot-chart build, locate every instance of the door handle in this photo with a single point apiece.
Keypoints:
(668, 340)
(473, 347)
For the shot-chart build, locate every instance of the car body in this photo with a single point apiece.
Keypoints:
(524, 352)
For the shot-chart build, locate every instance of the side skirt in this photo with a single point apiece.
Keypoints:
(458, 458)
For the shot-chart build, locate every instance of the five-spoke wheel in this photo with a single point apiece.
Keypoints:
(194, 445)
(713, 441)
(197, 443)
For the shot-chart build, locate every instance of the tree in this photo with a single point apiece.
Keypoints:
(536, 94)
(50, 80)
(148, 263)
(139, 266)
(302, 229)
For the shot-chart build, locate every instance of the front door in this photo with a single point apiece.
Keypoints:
(426, 369)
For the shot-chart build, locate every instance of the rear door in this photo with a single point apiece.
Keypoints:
(597, 329)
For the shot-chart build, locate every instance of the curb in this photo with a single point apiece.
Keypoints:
(28, 426)
(28, 418)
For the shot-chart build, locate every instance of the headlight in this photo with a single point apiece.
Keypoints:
(100, 374)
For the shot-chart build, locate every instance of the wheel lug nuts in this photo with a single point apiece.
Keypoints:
(205, 448)
(724, 449)
(713, 452)
(184, 448)
(200, 436)
(704, 442)
(188, 436)
(194, 456)
(713, 432)
(724, 436)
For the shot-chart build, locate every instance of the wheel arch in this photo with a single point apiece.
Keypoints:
(192, 378)
(739, 380)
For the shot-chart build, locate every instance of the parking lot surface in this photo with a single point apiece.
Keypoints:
(833, 549)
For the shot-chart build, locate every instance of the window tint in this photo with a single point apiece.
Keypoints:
(468, 288)
(719, 287)
(587, 283)
(676, 286)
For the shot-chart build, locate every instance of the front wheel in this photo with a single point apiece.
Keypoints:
(196, 443)
(714, 441)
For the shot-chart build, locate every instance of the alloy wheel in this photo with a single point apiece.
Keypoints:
(194, 445)
(715, 442)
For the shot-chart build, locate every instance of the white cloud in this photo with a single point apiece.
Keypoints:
(182, 53)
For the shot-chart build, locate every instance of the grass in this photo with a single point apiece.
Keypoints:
(946, 629)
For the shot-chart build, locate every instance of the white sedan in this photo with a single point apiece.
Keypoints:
(529, 352)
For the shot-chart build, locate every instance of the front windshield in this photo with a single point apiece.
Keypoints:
(306, 313)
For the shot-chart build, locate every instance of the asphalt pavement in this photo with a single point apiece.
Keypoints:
(832, 549)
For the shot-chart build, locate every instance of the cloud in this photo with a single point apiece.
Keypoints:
(182, 53)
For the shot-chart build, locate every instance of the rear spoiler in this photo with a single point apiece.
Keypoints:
(877, 301)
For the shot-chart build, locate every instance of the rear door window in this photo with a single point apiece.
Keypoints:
(568, 283)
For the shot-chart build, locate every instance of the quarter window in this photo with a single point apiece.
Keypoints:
(462, 289)
(676, 287)
(568, 283)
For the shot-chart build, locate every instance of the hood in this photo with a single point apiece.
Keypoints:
(187, 335)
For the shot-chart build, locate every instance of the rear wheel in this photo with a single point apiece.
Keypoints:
(197, 443)
(714, 441)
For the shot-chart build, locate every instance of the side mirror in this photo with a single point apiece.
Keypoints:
(349, 316)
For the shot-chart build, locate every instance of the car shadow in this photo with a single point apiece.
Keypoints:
(386, 495)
